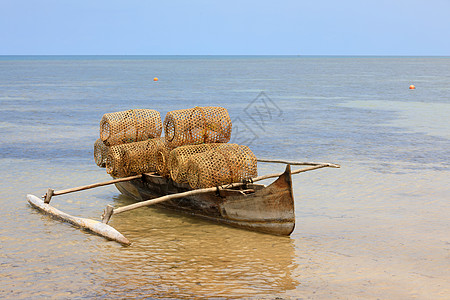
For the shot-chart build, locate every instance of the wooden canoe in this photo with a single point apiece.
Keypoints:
(268, 209)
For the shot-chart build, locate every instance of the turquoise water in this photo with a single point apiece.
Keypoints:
(377, 227)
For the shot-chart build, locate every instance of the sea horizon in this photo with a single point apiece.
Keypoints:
(146, 56)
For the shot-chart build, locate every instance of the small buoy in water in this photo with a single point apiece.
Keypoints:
(412, 87)
(155, 79)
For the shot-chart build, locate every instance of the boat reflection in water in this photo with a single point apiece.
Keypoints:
(181, 256)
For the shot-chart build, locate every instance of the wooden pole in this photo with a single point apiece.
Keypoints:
(50, 192)
(292, 173)
(91, 186)
(109, 211)
(107, 214)
(49, 195)
(295, 163)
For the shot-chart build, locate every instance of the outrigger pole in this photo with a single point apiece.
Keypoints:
(110, 210)
(107, 231)
(97, 227)
(50, 192)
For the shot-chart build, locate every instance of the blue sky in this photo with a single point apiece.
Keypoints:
(315, 27)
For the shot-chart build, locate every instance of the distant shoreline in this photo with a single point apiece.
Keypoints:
(155, 57)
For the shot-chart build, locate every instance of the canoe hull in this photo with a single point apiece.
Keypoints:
(254, 207)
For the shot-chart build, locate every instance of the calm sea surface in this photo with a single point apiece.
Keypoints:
(379, 227)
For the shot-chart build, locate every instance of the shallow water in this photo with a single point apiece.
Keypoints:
(376, 228)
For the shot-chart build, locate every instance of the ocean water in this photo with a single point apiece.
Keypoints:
(378, 227)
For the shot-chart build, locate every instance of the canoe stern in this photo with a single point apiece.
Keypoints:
(269, 210)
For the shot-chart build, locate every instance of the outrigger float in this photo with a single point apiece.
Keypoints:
(268, 209)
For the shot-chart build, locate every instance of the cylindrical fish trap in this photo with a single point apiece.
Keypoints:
(179, 157)
(141, 157)
(197, 126)
(225, 164)
(162, 160)
(134, 158)
(100, 153)
(130, 126)
(115, 161)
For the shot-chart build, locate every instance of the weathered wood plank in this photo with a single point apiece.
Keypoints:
(95, 226)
